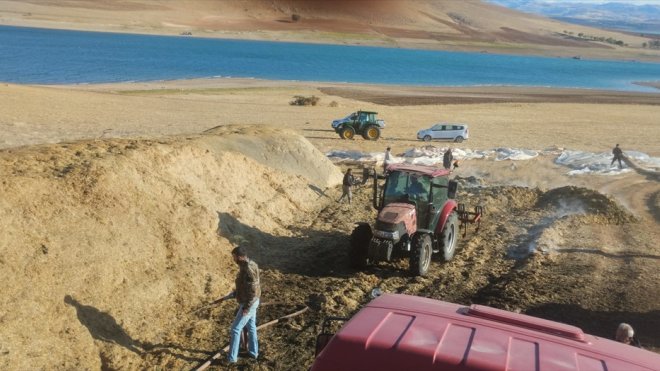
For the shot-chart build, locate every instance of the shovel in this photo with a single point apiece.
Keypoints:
(214, 302)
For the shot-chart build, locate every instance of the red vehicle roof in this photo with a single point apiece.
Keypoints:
(431, 171)
(401, 332)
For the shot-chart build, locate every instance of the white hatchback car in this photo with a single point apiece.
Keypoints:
(445, 131)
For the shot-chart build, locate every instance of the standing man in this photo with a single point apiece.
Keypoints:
(387, 160)
(347, 183)
(247, 293)
(618, 155)
(447, 159)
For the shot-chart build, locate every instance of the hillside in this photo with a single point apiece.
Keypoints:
(452, 25)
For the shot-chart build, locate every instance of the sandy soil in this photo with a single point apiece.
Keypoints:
(118, 234)
(427, 24)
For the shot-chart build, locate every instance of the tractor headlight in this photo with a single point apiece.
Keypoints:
(387, 235)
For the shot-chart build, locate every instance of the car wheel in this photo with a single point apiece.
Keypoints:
(371, 133)
(458, 139)
(347, 133)
(427, 138)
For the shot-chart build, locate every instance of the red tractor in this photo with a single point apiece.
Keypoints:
(417, 217)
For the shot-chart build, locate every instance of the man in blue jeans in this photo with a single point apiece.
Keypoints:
(247, 293)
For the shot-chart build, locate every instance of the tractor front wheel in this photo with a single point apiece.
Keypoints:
(420, 255)
(347, 133)
(371, 132)
(449, 237)
(360, 239)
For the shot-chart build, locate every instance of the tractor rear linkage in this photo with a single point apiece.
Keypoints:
(469, 217)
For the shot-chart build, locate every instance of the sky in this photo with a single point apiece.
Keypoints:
(636, 2)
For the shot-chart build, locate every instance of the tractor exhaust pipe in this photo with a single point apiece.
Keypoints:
(376, 198)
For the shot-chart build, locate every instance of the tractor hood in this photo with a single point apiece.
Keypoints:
(396, 213)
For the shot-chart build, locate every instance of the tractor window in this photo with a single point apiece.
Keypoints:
(418, 188)
(402, 187)
(363, 117)
(439, 194)
(397, 183)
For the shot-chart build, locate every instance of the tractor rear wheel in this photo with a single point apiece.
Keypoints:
(360, 239)
(449, 237)
(371, 132)
(420, 255)
(347, 132)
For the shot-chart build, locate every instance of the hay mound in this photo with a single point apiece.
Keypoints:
(105, 242)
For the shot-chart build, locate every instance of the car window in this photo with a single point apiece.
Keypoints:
(436, 127)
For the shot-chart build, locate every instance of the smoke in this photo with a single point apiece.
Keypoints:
(546, 235)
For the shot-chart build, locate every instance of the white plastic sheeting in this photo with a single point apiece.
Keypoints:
(577, 162)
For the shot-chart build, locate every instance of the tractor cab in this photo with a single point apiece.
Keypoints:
(426, 193)
(363, 118)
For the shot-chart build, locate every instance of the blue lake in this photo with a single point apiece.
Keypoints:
(42, 56)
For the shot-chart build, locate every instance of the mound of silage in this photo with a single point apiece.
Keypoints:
(103, 243)
(576, 200)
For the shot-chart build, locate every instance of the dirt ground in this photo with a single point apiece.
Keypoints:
(117, 241)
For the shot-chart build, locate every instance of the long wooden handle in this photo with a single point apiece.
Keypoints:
(206, 364)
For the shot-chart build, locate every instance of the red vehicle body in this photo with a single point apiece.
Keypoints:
(401, 332)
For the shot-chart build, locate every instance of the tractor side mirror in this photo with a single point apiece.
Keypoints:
(452, 187)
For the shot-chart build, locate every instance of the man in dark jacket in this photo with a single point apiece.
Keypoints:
(247, 293)
(347, 184)
(447, 159)
(618, 155)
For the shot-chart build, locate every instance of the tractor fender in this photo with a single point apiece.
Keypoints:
(450, 206)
